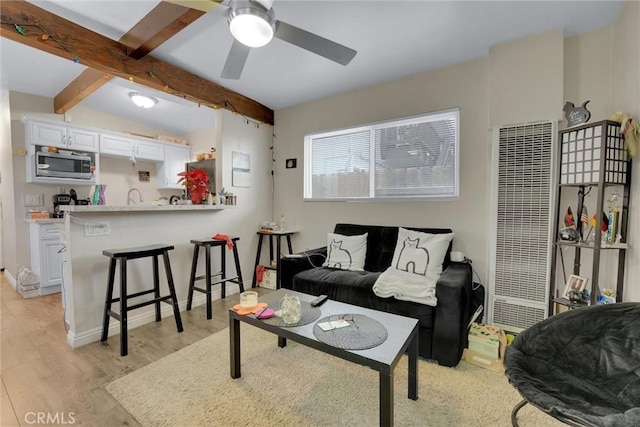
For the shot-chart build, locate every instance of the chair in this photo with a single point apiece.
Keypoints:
(124, 255)
(582, 366)
(207, 244)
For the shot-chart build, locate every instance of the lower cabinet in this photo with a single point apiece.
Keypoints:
(46, 259)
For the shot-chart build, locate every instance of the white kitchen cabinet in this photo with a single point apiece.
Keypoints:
(131, 148)
(62, 135)
(46, 260)
(42, 133)
(149, 150)
(175, 158)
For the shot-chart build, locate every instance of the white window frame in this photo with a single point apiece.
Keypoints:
(371, 128)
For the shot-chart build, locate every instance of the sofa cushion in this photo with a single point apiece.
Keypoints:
(346, 252)
(339, 285)
(381, 242)
(355, 287)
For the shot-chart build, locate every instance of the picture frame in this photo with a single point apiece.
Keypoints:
(575, 284)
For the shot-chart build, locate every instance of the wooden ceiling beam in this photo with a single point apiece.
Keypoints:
(160, 24)
(74, 42)
(82, 86)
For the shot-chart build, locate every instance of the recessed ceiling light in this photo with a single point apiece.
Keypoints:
(142, 101)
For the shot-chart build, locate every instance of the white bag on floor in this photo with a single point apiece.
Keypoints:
(28, 283)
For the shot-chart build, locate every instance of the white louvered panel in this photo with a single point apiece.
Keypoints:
(516, 316)
(523, 198)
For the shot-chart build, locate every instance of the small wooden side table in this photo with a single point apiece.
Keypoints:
(278, 235)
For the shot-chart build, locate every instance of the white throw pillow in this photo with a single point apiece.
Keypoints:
(346, 252)
(415, 268)
(421, 253)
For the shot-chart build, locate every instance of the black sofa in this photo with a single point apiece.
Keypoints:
(443, 329)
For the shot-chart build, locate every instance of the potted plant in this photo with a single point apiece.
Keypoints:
(197, 183)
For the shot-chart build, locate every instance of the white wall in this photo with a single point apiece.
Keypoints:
(626, 98)
(8, 231)
(525, 79)
(580, 68)
(462, 86)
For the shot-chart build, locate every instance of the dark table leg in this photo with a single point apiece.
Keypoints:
(255, 272)
(289, 243)
(234, 346)
(413, 368)
(282, 342)
(278, 255)
(207, 278)
(386, 399)
(270, 249)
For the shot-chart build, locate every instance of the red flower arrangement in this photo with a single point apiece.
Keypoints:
(197, 182)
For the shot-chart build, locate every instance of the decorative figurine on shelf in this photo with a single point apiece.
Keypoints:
(569, 231)
(614, 203)
(576, 296)
(576, 115)
(607, 296)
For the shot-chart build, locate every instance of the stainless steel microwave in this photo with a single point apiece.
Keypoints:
(56, 165)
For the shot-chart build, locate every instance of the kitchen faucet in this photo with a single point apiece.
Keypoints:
(129, 195)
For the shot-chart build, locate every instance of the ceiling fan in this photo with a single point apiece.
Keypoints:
(253, 24)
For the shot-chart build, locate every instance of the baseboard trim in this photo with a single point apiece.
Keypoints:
(93, 335)
(12, 280)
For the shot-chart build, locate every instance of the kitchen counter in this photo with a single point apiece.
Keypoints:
(91, 229)
(45, 220)
(141, 208)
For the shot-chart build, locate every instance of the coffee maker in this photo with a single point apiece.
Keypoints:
(58, 200)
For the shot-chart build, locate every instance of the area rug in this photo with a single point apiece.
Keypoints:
(299, 386)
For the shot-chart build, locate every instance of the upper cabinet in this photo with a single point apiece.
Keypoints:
(59, 153)
(176, 158)
(62, 136)
(113, 145)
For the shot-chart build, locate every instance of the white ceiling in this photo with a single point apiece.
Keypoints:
(393, 39)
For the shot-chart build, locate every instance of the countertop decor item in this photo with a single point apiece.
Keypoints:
(197, 183)
(251, 310)
(248, 299)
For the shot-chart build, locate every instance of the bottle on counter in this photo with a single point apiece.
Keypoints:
(282, 223)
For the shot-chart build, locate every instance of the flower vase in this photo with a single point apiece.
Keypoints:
(197, 194)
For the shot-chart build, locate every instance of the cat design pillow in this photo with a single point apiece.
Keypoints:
(346, 252)
(415, 268)
(421, 254)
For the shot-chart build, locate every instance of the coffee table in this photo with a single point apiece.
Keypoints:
(402, 336)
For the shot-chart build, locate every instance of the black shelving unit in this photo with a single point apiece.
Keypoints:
(591, 157)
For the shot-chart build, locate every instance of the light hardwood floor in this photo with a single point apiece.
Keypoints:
(41, 374)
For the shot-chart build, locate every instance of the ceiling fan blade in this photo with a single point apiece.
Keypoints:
(235, 61)
(265, 3)
(314, 43)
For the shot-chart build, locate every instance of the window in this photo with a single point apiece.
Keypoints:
(409, 158)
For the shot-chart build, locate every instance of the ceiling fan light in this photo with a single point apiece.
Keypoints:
(142, 101)
(251, 26)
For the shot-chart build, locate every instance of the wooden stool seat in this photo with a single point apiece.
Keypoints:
(125, 254)
(207, 244)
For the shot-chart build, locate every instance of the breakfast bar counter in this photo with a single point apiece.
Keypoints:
(142, 208)
(88, 230)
